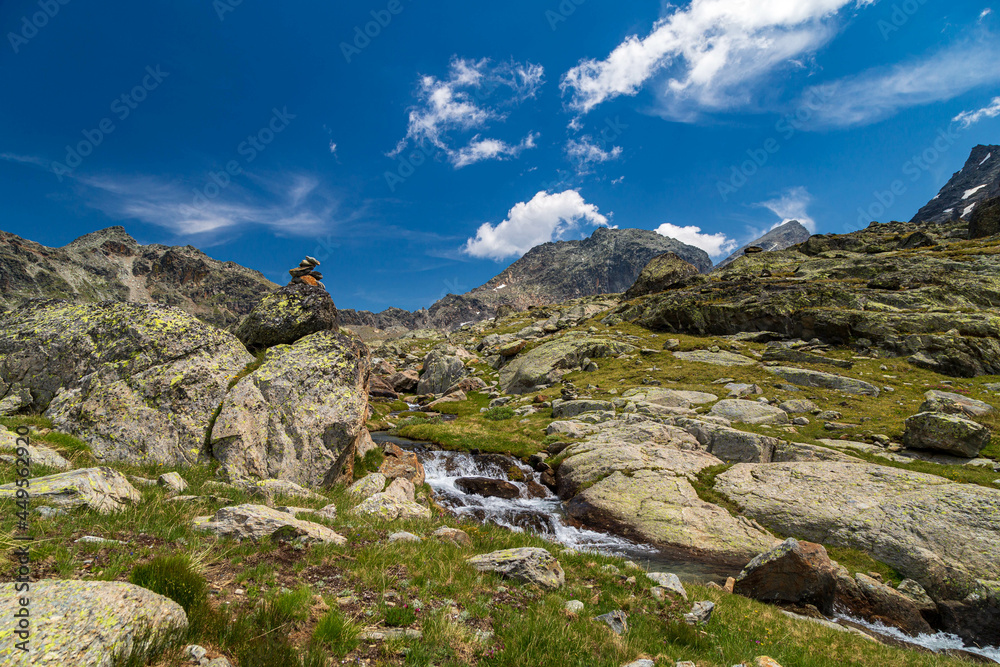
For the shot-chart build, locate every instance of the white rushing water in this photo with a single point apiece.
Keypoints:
(939, 641)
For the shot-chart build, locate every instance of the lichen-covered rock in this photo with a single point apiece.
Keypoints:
(749, 412)
(269, 489)
(720, 358)
(101, 489)
(87, 623)
(946, 433)
(368, 485)
(954, 404)
(298, 416)
(39, 454)
(729, 444)
(670, 398)
(404, 381)
(659, 274)
(256, 522)
(529, 564)
(872, 600)
(286, 315)
(548, 362)
(807, 378)
(138, 382)
(172, 482)
(390, 506)
(14, 399)
(937, 532)
(796, 572)
(401, 463)
(442, 369)
(566, 409)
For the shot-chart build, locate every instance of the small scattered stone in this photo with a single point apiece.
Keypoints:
(701, 613)
(669, 582)
(617, 620)
(195, 652)
(574, 606)
(641, 663)
(172, 482)
(459, 537)
(403, 536)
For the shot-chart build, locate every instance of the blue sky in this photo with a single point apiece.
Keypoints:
(418, 148)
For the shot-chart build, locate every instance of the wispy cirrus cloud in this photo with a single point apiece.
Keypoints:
(881, 92)
(475, 94)
(712, 55)
(27, 159)
(969, 118)
(585, 152)
(546, 217)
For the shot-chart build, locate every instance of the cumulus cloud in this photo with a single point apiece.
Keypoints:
(879, 93)
(711, 54)
(585, 152)
(475, 93)
(715, 245)
(793, 204)
(547, 217)
(968, 118)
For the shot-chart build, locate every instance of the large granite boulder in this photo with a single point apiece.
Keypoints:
(942, 534)
(298, 416)
(442, 368)
(670, 398)
(528, 564)
(547, 363)
(286, 315)
(807, 378)
(872, 600)
(101, 489)
(138, 382)
(976, 618)
(950, 434)
(749, 412)
(257, 522)
(797, 572)
(954, 404)
(659, 274)
(87, 623)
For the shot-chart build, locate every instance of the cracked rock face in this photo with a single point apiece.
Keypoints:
(138, 382)
(100, 489)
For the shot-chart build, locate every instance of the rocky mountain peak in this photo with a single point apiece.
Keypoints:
(781, 237)
(978, 180)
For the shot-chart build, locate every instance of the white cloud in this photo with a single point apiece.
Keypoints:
(489, 149)
(986, 12)
(712, 54)
(793, 204)
(715, 245)
(294, 206)
(879, 93)
(967, 118)
(547, 217)
(333, 148)
(586, 151)
(26, 159)
(474, 94)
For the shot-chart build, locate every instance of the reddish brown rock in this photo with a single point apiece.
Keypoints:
(401, 463)
(794, 572)
(404, 381)
(379, 387)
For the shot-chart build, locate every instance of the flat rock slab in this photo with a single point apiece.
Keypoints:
(256, 522)
(84, 623)
(805, 378)
(670, 398)
(946, 401)
(101, 489)
(40, 455)
(391, 506)
(940, 533)
(749, 412)
(722, 358)
(548, 362)
(528, 564)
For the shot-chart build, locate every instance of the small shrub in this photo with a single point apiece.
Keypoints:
(173, 577)
(400, 617)
(371, 462)
(499, 413)
(336, 633)
(294, 605)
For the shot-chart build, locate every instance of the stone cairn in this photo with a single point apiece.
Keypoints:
(306, 273)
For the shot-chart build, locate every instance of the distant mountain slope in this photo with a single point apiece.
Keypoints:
(111, 265)
(779, 238)
(606, 263)
(979, 179)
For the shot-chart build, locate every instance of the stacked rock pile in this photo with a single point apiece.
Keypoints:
(306, 273)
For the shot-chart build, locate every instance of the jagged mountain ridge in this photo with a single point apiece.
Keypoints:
(110, 265)
(979, 179)
(608, 262)
(781, 237)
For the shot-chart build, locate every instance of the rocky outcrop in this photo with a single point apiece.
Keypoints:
(548, 362)
(138, 382)
(531, 565)
(779, 238)
(977, 181)
(872, 600)
(88, 623)
(298, 415)
(100, 489)
(442, 368)
(794, 572)
(749, 412)
(487, 486)
(985, 219)
(111, 265)
(950, 434)
(875, 508)
(257, 522)
(807, 378)
(660, 274)
(287, 315)
(955, 404)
